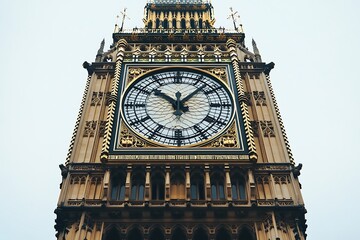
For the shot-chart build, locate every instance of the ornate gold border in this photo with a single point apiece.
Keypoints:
(128, 85)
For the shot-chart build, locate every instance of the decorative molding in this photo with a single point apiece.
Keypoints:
(78, 120)
(242, 99)
(286, 140)
(90, 128)
(121, 44)
(228, 140)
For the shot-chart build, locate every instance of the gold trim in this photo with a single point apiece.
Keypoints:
(113, 101)
(185, 69)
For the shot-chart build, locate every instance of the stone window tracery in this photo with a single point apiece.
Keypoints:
(117, 192)
(197, 188)
(217, 186)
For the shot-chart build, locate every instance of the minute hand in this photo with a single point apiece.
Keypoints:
(166, 97)
(187, 98)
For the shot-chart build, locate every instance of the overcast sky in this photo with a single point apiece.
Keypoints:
(314, 44)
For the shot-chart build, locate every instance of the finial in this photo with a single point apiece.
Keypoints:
(256, 51)
(116, 30)
(100, 51)
(124, 16)
(234, 16)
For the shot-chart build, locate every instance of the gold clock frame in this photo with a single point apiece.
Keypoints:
(155, 144)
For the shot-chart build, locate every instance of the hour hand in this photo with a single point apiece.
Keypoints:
(172, 101)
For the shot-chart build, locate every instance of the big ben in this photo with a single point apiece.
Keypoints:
(179, 136)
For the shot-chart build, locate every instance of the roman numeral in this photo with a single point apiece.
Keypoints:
(199, 130)
(142, 90)
(158, 129)
(178, 136)
(212, 90)
(209, 119)
(220, 105)
(199, 78)
(140, 120)
(136, 105)
(178, 78)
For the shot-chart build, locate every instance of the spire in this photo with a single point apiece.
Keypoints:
(100, 51)
(256, 51)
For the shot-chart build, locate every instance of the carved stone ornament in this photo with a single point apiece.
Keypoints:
(129, 140)
(219, 72)
(135, 72)
(228, 140)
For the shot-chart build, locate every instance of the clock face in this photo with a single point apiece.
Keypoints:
(177, 107)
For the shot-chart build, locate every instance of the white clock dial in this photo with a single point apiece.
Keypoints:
(177, 107)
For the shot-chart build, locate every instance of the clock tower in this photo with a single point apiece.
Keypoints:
(179, 136)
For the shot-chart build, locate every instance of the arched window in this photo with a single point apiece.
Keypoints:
(113, 234)
(157, 23)
(157, 187)
(238, 190)
(137, 186)
(117, 184)
(200, 23)
(178, 234)
(174, 23)
(217, 186)
(166, 24)
(245, 234)
(197, 189)
(177, 189)
(223, 234)
(192, 24)
(135, 234)
(150, 24)
(200, 234)
(183, 24)
(156, 234)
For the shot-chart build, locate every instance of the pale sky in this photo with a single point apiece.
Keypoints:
(314, 44)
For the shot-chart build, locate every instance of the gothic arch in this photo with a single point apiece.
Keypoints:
(112, 233)
(150, 25)
(157, 185)
(223, 233)
(197, 185)
(135, 233)
(156, 233)
(238, 185)
(217, 180)
(137, 185)
(177, 184)
(246, 233)
(178, 233)
(200, 233)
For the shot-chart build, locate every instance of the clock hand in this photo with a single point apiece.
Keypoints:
(178, 104)
(166, 97)
(188, 97)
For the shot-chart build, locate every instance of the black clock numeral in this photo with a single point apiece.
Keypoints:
(178, 136)
(209, 119)
(198, 79)
(212, 90)
(158, 129)
(140, 120)
(199, 130)
(142, 90)
(217, 105)
(136, 105)
(178, 78)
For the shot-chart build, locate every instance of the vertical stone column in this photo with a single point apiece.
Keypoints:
(121, 44)
(128, 183)
(106, 185)
(81, 224)
(231, 44)
(207, 183)
(228, 182)
(252, 185)
(167, 183)
(147, 182)
(187, 183)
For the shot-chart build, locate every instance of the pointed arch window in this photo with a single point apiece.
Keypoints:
(117, 192)
(156, 234)
(157, 23)
(135, 234)
(192, 24)
(177, 189)
(150, 25)
(223, 234)
(112, 234)
(200, 234)
(200, 23)
(137, 187)
(183, 24)
(166, 24)
(157, 187)
(179, 234)
(217, 187)
(245, 234)
(238, 187)
(197, 189)
(174, 23)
